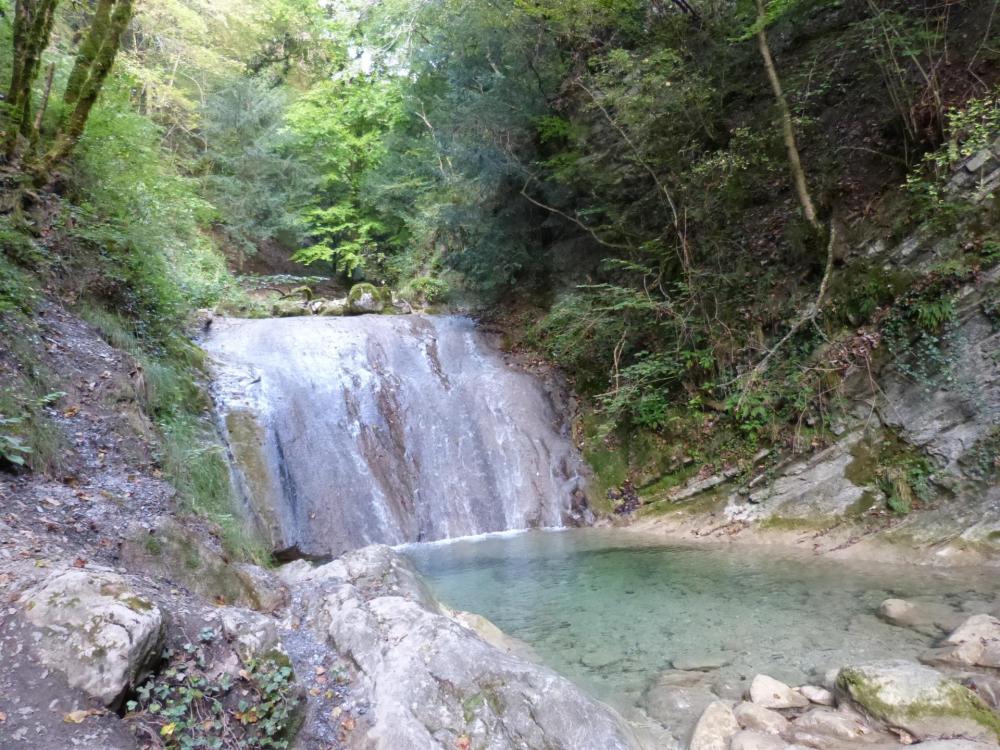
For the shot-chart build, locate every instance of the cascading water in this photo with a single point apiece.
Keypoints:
(352, 431)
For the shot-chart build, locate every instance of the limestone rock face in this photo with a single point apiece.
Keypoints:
(919, 700)
(94, 629)
(433, 682)
(976, 642)
(715, 728)
(770, 693)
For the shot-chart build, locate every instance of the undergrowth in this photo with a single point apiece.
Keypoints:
(187, 705)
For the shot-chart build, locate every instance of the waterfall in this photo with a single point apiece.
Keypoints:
(387, 429)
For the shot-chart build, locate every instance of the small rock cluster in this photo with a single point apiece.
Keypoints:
(881, 704)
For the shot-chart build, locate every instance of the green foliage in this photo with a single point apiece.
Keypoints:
(904, 482)
(188, 705)
(13, 450)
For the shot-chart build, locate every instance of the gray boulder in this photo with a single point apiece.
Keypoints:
(96, 630)
(433, 682)
(919, 700)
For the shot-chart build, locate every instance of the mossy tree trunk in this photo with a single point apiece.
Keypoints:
(94, 60)
(32, 28)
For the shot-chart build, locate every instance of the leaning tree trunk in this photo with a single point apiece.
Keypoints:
(32, 28)
(93, 63)
(788, 127)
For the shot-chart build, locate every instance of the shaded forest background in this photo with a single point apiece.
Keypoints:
(613, 183)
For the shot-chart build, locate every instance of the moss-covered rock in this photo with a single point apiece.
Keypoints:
(175, 553)
(919, 700)
(368, 298)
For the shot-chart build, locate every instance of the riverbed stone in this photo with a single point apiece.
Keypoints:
(930, 618)
(702, 662)
(845, 725)
(919, 700)
(715, 728)
(759, 719)
(677, 699)
(433, 683)
(818, 695)
(94, 628)
(749, 740)
(976, 642)
(770, 693)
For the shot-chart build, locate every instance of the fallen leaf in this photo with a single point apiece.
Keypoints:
(79, 563)
(71, 411)
(348, 724)
(463, 743)
(80, 715)
(168, 729)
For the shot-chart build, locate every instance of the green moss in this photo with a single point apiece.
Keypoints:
(952, 700)
(137, 603)
(153, 545)
(790, 523)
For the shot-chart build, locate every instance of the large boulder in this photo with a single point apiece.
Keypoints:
(95, 629)
(367, 298)
(919, 700)
(715, 728)
(433, 682)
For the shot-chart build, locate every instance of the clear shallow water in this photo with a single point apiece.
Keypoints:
(611, 610)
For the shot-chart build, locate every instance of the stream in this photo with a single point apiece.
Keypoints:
(612, 610)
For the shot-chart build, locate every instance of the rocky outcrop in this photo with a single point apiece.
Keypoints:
(92, 627)
(168, 550)
(918, 700)
(432, 682)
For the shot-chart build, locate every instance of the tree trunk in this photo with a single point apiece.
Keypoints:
(32, 28)
(94, 61)
(794, 160)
